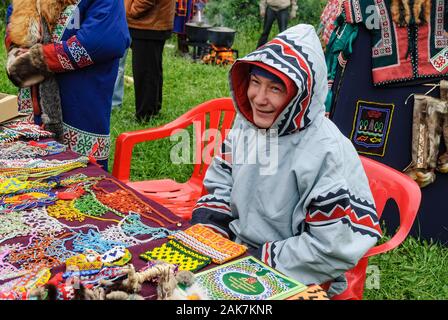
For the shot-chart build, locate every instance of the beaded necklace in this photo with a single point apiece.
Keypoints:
(93, 240)
(133, 226)
(125, 200)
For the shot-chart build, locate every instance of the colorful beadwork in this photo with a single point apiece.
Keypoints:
(94, 241)
(209, 243)
(28, 130)
(174, 252)
(26, 201)
(63, 209)
(81, 262)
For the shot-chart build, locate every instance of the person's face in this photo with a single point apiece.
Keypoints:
(266, 97)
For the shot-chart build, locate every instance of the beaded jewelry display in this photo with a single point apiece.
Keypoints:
(20, 150)
(115, 233)
(7, 270)
(35, 255)
(125, 259)
(113, 255)
(125, 200)
(174, 252)
(7, 136)
(81, 262)
(37, 168)
(94, 278)
(41, 223)
(93, 240)
(63, 209)
(28, 130)
(12, 226)
(26, 201)
(133, 226)
(209, 243)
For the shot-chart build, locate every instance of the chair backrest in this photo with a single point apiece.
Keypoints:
(387, 183)
(211, 121)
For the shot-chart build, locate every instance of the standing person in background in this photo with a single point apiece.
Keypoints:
(184, 12)
(280, 10)
(150, 24)
(117, 98)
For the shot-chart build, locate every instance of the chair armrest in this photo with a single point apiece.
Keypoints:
(127, 140)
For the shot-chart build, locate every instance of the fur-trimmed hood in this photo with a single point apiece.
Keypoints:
(297, 54)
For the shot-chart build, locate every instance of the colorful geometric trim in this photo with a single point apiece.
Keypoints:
(174, 252)
(83, 142)
(56, 57)
(78, 52)
(267, 253)
(209, 243)
(25, 101)
(342, 206)
(441, 39)
(63, 22)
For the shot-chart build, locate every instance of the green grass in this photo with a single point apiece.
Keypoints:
(415, 270)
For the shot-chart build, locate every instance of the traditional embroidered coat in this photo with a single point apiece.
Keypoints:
(89, 39)
(413, 53)
(297, 191)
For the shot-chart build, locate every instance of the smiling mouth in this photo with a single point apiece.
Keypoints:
(264, 112)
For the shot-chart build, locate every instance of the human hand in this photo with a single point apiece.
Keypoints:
(292, 14)
(27, 67)
(262, 13)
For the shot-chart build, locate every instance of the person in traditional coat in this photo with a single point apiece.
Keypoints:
(287, 183)
(88, 40)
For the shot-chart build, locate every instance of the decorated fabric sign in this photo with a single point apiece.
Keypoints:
(371, 127)
(246, 279)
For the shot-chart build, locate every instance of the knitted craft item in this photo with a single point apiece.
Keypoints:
(174, 252)
(209, 243)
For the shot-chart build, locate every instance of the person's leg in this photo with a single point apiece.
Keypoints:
(282, 19)
(117, 98)
(147, 70)
(267, 25)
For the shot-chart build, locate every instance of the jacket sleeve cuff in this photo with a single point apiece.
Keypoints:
(56, 57)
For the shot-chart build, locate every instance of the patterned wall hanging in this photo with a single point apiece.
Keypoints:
(371, 126)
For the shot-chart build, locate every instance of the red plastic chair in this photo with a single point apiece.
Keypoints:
(180, 198)
(386, 183)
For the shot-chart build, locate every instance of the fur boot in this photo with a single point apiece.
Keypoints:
(418, 169)
(442, 163)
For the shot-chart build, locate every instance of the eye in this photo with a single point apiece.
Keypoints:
(277, 89)
(254, 80)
